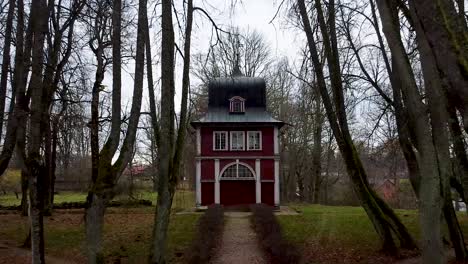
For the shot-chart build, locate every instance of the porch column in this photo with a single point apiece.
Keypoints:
(198, 142)
(217, 191)
(277, 187)
(198, 182)
(258, 183)
(276, 140)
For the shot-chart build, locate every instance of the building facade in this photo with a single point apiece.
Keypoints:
(237, 159)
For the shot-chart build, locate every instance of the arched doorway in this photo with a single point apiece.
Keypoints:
(237, 184)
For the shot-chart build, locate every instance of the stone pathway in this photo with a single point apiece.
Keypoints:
(239, 242)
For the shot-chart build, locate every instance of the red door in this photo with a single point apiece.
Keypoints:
(237, 192)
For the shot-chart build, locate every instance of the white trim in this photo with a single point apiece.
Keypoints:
(217, 187)
(277, 187)
(234, 100)
(214, 140)
(230, 140)
(260, 138)
(258, 184)
(198, 182)
(237, 163)
(237, 157)
(276, 140)
(199, 141)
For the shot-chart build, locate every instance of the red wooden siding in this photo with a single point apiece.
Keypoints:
(207, 190)
(224, 162)
(268, 193)
(207, 169)
(267, 169)
(207, 142)
(237, 192)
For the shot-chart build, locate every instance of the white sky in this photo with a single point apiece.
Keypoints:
(248, 14)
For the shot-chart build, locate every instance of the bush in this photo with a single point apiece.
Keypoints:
(271, 237)
(10, 181)
(210, 228)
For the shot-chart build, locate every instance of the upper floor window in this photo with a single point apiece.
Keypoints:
(237, 104)
(220, 140)
(254, 140)
(237, 140)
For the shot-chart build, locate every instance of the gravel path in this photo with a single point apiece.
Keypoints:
(239, 242)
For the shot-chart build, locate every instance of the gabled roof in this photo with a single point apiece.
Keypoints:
(252, 115)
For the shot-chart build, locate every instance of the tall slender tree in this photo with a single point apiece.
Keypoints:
(170, 152)
(385, 221)
(102, 189)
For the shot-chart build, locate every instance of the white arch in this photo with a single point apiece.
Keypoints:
(235, 163)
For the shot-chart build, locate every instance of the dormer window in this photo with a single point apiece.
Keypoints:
(237, 105)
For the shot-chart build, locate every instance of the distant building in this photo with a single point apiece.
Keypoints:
(387, 189)
(237, 145)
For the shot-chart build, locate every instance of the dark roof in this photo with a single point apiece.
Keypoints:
(252, 89)
(252, 115)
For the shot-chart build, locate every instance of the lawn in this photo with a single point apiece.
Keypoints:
(127, 231)
(182, 199)
(342, 234)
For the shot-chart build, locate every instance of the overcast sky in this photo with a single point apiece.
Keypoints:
(248, 14)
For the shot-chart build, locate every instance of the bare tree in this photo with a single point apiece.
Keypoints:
(170, 154)
(102, 189)
(382, 216)
(6, 61)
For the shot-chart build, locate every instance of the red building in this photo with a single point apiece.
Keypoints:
(237, 145)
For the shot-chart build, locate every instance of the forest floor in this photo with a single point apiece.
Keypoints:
(344, 234)
(324, 234)
(127, 232)
(239, 242)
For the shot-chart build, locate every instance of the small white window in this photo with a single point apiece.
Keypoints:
(237, 104)
(219, 140)
(237, 140)
(254, 140)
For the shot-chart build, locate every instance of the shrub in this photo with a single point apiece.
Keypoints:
(271, 237)
(210, 228)
(10, 181)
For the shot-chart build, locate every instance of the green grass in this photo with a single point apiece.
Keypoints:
(127, 231)
(344, 226)
(127, 234)
(182, 199)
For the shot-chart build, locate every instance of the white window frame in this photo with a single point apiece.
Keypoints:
(243, 140)
(214, 140)
(234, 100)
(260, 140)
(237, 163)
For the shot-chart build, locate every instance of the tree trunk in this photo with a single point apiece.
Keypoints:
(6, 60)
(381, 215)
(438, 106)
(429, 187)
(39, 18)
(24, 193)
(94, 225)
(446, 35)
(317, 150)
(170, 157)
(102, 190)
